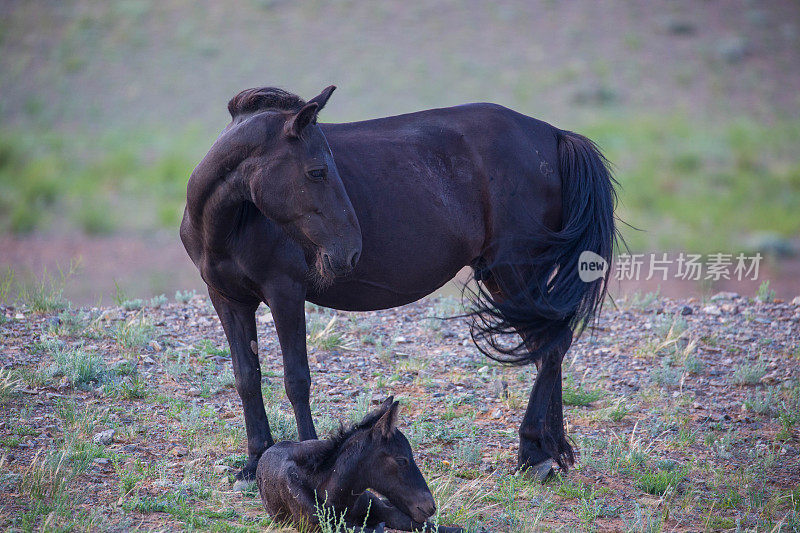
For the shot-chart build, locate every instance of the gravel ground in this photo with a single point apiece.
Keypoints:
(685, 415)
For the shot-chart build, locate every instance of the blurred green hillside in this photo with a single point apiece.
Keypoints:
(106, 106)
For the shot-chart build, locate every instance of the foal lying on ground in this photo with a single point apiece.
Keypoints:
(294, 477)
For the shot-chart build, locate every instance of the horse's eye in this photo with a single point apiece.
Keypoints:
(316, 174)
(402, 461)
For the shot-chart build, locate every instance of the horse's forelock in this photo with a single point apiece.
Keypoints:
(262, 99)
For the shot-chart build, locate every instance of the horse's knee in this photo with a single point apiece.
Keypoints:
(298, 389)
(249, 385)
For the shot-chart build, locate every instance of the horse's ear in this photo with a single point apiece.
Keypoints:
(307, 115)
(322, 98)
(387, 424)
(387, 403)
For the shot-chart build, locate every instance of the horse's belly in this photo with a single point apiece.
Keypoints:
(369, 293)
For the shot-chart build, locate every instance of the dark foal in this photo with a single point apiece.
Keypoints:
(294, 478)
(377, 214)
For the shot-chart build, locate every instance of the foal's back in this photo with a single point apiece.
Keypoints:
(279, 478)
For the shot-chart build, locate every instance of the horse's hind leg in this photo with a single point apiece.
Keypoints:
(239, 322)
(542, 431)
(542, 438)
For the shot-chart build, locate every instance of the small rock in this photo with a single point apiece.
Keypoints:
(725, 295)
(712, 310)
(222, 469)
(129, 448)
(154, 345)
(770, 379)
(500, 388)
(179, 451)
(401, 340)
(796, 300)
(148, 360)
(686, 310)
(102, 461)
(242, 485)
(483, 369)
(104, 438)
(496, 414)
(19, 316)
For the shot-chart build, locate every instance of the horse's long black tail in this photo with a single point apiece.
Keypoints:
(543, 297)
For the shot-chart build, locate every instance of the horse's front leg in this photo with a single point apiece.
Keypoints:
(287, 302)
(239, 322)
(541, 434)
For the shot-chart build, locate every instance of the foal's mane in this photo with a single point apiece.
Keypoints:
(325, 456)
(263, 99)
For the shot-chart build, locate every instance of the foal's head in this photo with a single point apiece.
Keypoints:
(292, 178)
(388, 464)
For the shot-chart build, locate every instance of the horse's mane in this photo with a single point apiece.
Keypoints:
(262, 99)
(325, 455)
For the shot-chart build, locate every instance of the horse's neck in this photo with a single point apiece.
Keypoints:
(223, 205)
(343, 483)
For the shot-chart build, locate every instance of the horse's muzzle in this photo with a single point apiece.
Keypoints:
(338, 268)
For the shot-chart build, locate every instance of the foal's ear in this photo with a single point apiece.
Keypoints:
(322, 98)
(307, 115)
(387, 403)
(387, 424)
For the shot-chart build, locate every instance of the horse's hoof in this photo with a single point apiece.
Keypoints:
(243, 485)
(542, 471)
(248, 473)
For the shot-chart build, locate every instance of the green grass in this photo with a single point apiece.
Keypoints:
(658, 481)
(46, 295)
(134, 332)
(704, 188)
(764, 293)
(573, 394)
(10, 384)
(82, 367)
(749, 372)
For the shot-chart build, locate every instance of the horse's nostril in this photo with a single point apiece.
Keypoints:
(354, 260)
(326, 260)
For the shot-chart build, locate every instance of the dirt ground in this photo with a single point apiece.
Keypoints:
(684, 414)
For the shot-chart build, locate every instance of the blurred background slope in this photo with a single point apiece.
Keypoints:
(105, 107)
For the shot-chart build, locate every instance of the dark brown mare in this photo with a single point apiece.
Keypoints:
(376, 214)
(297, 479)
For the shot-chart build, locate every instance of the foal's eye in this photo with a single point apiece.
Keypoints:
(401, 461)
(316, 174)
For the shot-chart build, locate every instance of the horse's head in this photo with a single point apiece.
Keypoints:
(292, 177)
(389, 464)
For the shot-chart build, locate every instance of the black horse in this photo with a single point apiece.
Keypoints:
(297, 479)
(377, 214)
